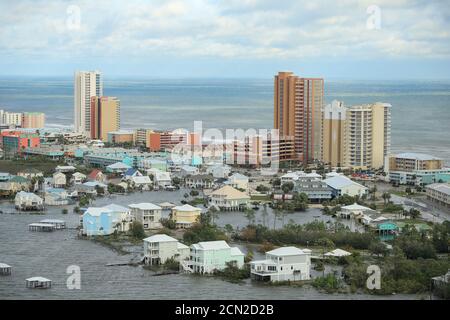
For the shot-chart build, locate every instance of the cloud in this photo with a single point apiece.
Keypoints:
(248, 29)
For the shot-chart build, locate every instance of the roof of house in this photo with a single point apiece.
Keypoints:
(119, 165)
(18, 179)
(97, 211)
(416, 156)
(4, 265)
(94, 173)
(211, 245)
(116, 208)
(337, 253)
(39, 279)
(230, 193)
(141, 179)
(94, 184)
(131, 171)
(238, 176)
(65, 168)
(339, 182)
(160, 238)
(144, 206)
(27, 195)
(355, 206)
(166, 204)
(235, 251)
(186, 207)
(288, 251)
(78, 174)
(181, 246)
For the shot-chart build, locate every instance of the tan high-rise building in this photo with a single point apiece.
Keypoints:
(368, 131)
(334, 134)
(105, 117)
(87, 84)
(357, 136)
(33, 120)
(298, 106)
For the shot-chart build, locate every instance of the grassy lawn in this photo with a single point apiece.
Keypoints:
(260, 198)
(13, 166)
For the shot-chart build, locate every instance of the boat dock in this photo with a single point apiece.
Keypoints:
(58, 224)
(38, 282)
(5, 269)
(42, 227)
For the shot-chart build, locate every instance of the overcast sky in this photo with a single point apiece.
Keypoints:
(397, 39)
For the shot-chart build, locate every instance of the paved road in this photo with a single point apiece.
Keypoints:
(428, 212)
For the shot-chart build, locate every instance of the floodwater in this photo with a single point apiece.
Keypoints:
(50, 254)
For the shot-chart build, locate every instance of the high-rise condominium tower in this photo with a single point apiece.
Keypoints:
(368, 135)
(356, 136)
(298, 113)
(87, 84)
(105, 117)
(33, 120)
(334, 134)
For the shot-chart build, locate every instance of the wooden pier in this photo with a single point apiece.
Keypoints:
(38, 282)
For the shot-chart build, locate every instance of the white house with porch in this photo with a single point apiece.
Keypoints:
(208, 256)
(282, 264)
(148, 214)
(160, 247)
(59, 180)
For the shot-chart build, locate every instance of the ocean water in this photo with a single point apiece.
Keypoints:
(420, 112)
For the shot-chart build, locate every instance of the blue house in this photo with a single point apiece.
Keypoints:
(100, 221)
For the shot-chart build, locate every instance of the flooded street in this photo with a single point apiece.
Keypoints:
(49, 254)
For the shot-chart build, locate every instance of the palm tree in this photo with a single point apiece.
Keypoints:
(264, 214)
(213, 214)
(386, 196)
(250, 215)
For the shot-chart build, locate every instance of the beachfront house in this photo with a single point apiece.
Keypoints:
(148, 214)
(354, 211)
(208, 256)
(199, 181)
(229, 198)
(78, 178)
(125, 218)
(99, 221)
(14, 184)
(143, 182)
(219, 171)
(97, 175)
(188, 170)
(282, 264)
(132, 172)
(28, 201)
(161, 179)
(56, 197)
(186, 215)
(238, 181)
(316, 189)
(160, 247)
(59, 180)
(342, 185)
